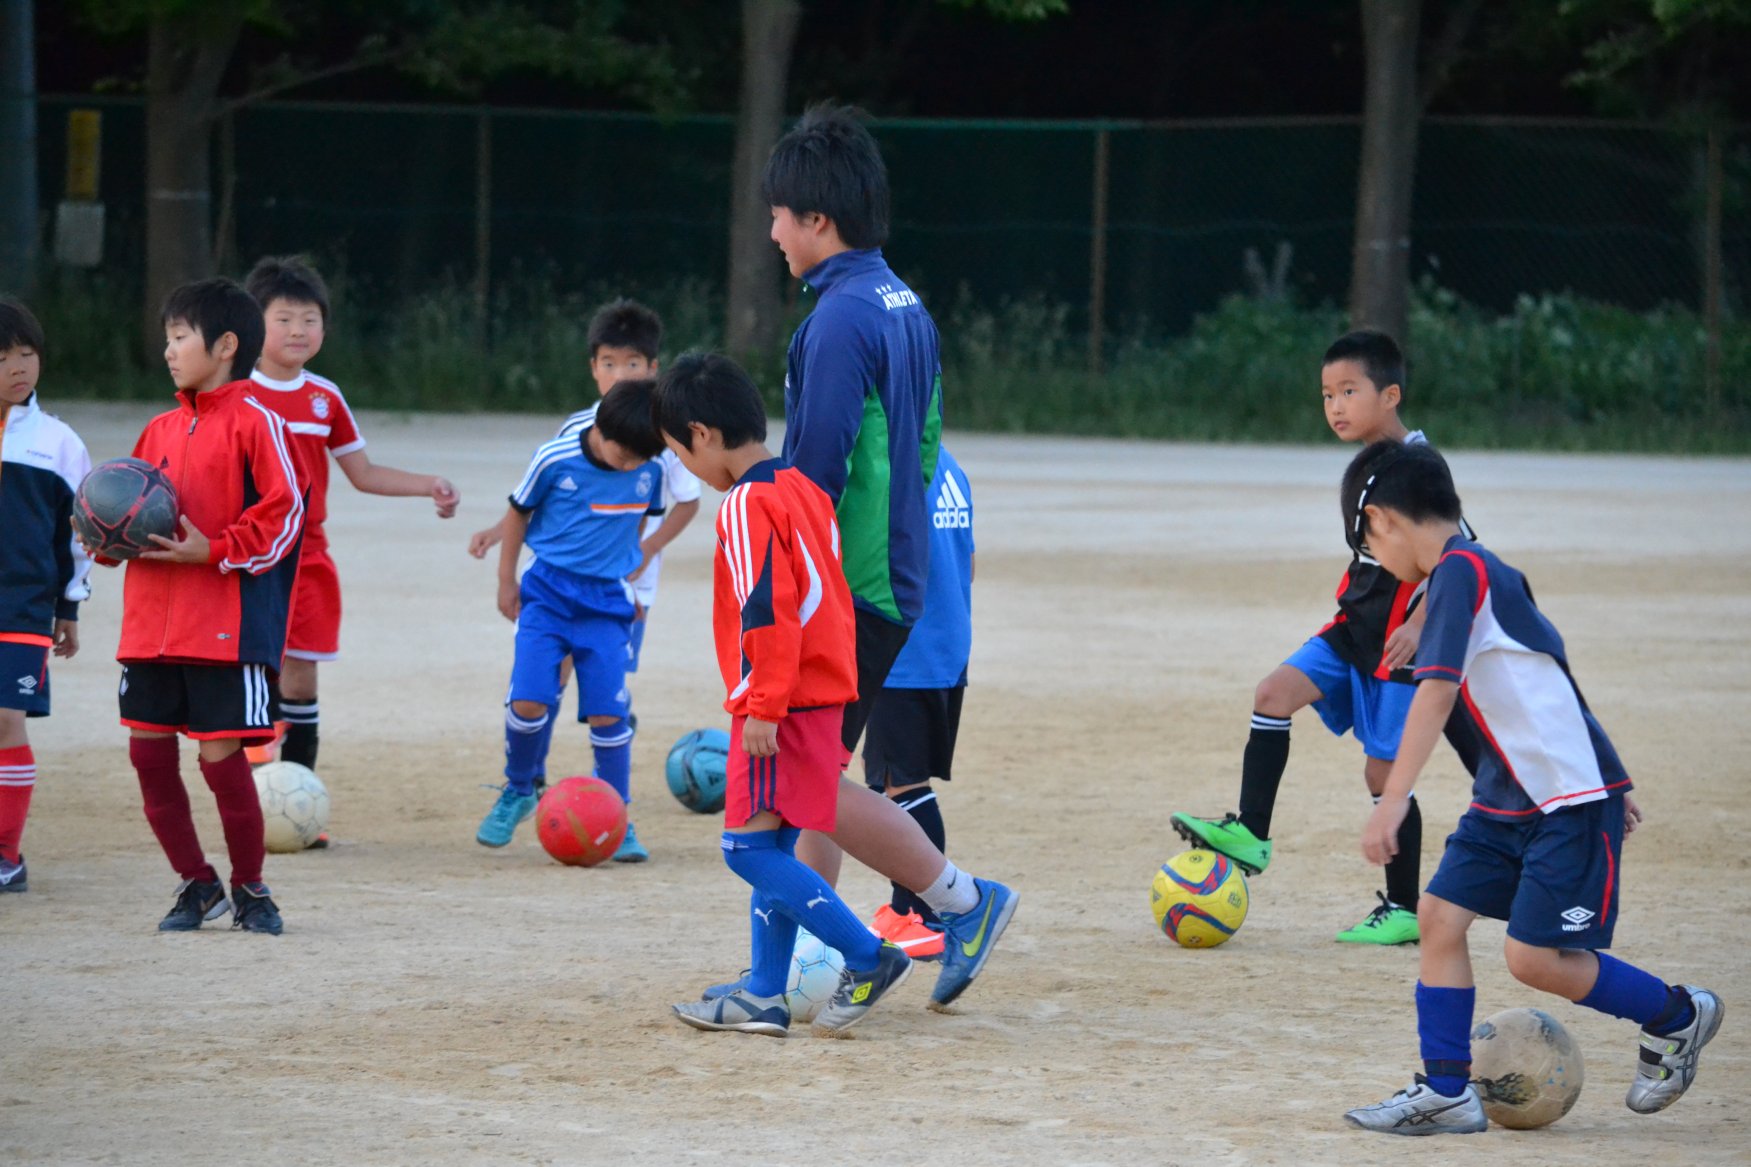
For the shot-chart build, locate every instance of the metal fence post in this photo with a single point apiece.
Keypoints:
(1097, 253)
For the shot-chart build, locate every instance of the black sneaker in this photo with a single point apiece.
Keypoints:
(255, 909)
(197, 901)
(13, 876)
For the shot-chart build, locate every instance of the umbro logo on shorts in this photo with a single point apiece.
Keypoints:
(27, 685)
(952, 507)
(1577, 918)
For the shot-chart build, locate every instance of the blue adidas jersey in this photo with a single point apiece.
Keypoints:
(583, 516)
(935, 656)
(1542, 748)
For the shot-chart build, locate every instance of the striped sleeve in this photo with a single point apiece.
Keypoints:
(1458, 589)
(756, 548)
(267, 531)
(533, 488)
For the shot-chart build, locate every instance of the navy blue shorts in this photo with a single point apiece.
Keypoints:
(24, 677)
(589, 620)
(1351, 700)
(1553, 877)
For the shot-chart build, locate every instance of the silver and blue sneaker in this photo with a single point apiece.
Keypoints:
(858, 991)
(630, 849)
(501, 821)
(713, 992)
(739, 1012)
(1420, 1109)
(13, 876)
(1668, 1061)
(971, 937)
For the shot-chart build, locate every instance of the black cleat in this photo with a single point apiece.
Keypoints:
(197, 901)
(13, 876)
(255, 911)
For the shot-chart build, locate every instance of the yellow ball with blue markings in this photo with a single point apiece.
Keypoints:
(1199, 898)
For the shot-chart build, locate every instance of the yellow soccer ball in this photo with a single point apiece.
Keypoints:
(1199, 898)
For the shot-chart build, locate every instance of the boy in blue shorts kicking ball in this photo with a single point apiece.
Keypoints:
(580, 508)
(1540, 844)
(787, 648)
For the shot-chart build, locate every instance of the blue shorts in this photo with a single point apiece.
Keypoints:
(1553, 877)
(1350, 700)
(635, 643)
(24, 678)
(587, 619)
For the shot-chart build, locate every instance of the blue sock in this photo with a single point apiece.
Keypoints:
(1623, 990)
(525, 750)
(767, 860)
(547, 735)
(774, 941)
(612, 745)
(1444, 1032)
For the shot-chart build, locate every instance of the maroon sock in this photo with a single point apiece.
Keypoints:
(166, 799)
(233, 787)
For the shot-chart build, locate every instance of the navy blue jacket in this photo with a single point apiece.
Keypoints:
(43, 572)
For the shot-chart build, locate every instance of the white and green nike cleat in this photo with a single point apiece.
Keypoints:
(1225, 836)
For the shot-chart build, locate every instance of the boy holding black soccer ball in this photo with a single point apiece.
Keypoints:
(43, 574)
(204, 615)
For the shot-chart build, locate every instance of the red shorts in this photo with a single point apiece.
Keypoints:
(800, 783)
(313, 628)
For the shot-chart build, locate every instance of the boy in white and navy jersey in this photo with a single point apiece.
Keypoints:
(1352, 671)
(580, 508)
(43, 570)
(1540, 844)
(319, 424)
(916, 717)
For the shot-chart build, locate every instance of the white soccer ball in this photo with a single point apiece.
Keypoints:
(814, 975)
(294, 805)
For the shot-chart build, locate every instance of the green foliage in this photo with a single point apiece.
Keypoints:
(1013, 9)
(1558, 372)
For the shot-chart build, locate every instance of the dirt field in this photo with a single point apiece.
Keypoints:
(437, 1003)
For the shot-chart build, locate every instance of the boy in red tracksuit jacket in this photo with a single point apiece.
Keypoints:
(787, 647)
(204, 617)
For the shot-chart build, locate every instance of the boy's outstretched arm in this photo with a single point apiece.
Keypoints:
(370, 478)
(678, 517)
(1428, 714)
(515, 525)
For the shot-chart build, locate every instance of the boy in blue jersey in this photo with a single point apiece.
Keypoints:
(917, 716)
(1540, 844)
(580, 508)
(863, 420)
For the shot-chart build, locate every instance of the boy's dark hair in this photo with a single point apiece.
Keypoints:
(1377, 353)
(1411, 479)
(626, 323)
(714, 391)
(829, 164)
(215, 307)
(287, 277)
(625, 417)
(19, 326)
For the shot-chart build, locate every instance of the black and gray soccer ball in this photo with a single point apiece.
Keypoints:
(120, 504)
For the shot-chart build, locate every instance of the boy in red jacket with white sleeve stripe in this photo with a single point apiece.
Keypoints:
(204, 616)
(787, 648)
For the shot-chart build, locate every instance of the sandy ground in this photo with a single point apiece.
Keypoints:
(434, 1002)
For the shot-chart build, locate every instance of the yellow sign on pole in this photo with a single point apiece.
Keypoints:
(84, 153)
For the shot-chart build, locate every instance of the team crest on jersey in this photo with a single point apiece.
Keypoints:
(319, 405)
(644, 484)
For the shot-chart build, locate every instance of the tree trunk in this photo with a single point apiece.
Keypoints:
(186, 59)
(19, 225)
(768, 34)
(1380, 277)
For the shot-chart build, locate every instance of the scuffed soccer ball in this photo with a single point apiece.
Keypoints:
(814, 975)
(1526, 1067)
(294, 805)
(696, 769)
(1199, 898)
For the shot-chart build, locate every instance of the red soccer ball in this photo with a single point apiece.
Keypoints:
(580, 821)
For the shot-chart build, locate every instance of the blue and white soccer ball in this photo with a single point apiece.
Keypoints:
(814, 976)
(696, 770)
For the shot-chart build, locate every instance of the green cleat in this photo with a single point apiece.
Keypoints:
(1386, 924)
(1226, 837)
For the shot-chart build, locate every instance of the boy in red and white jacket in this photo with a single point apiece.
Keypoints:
(204, 616)
(787, 647)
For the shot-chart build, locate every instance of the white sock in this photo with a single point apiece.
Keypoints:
(953, 891)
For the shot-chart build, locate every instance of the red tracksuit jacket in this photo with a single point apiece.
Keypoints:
(781, 611)
(226, 454)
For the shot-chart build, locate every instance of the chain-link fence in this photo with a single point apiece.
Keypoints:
(1138, 226)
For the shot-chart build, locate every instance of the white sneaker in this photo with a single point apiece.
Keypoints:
(1668, 1064)
(1419, 1109)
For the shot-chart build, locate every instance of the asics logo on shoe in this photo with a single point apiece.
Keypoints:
(1577, 918)
(1428, 1117)
(27, 685)
(952, 508)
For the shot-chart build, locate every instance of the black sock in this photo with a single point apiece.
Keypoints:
(1261, 772)
(301, 719)
(920, 802)
(1404, 871)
